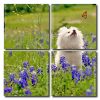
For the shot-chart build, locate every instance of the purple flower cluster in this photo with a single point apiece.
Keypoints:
(75, 74)
(54, 68)
(87, 61)
(11, 76)
(39, 71)
(64, 63)
(25, 75)
(25, 64)
(28, 92)
(89, 91)
(34, 79)
(8, 90)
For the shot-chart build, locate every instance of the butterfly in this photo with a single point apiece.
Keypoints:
(84, 14)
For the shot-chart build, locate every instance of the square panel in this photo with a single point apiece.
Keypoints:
(26, 73)
(26, 26)
(74, 26)
(74, 81)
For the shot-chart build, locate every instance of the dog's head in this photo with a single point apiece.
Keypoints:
(70, 38)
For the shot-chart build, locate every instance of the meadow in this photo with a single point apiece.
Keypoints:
(71, 15)
(26, 73)
(68, 81)
(26, 27)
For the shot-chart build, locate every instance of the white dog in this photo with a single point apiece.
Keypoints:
(69, 39)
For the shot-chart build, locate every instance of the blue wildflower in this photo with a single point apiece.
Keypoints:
(24, 75)
(86, 60)
(93, 38)
(8, 90)
(64, 66)
(39, 71)
(11, 76)
(54, 67)
(93, 61)
(75, 74)
(62, 60)
(28, 92)
(89, 92)
(16, 81)
(34, 79)
(25, 64)
(23, 83)
(88, 71)
(31, 69)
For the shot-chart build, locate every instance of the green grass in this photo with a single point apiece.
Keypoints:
(63, 85)
(73, 17)
(14, 64)
(25, 31)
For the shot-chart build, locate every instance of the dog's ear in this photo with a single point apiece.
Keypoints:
(62, 29)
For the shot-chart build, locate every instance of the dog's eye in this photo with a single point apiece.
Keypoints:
(68, 32)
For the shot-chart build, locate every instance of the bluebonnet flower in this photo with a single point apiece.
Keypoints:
(64, 66)
(25, 64)
(93, 61)
(86, 60)
(75, 74)
(77, 77)
(83, 75)
(62, 60)
(8, 90)
(11, 76)
(39, 71)
(24, 75)
(54, 67)
(23, 83)
(88, 71)
(93, 38)
(89, 91)
(10, 53)
(16, 81)
(31, 69)
(73, 71)
(28, 92)
(34, 79)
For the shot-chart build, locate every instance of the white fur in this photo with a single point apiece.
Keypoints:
(67, 41)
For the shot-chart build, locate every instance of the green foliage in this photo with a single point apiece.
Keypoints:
(25, 8)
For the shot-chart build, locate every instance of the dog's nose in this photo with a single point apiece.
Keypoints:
(74, 31)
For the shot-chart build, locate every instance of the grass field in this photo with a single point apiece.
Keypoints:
(27, 30)
(83, 83)
(37, 82)
(72, 16)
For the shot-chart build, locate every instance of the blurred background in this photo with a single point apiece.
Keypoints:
(26, 25)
